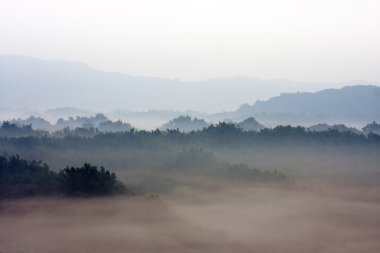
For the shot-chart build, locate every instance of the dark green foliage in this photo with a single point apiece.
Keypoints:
(13, 130)
(168, 158)
(218, 134)
(22, 178)
(89, 181)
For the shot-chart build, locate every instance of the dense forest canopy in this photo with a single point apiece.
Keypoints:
(216, 131)
(23, 178)
(160, 160)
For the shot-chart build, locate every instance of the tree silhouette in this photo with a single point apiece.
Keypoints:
(88, 180)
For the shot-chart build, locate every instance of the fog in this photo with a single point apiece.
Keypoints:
(57, 83)
(263, 219)
(212, 126)
(203, 195)
(306, 41)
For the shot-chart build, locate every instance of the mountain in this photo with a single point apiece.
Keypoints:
(351, 104)
(37, 83)
(339, 127)
(29, 85)
(34, 122)
(42, 84)
(66, 112)
(250, 124)
(185, 124)
(99, 122)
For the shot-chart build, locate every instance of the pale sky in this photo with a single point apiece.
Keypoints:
(300, 40)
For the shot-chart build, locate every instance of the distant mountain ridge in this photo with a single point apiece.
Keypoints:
(250, 124)
(352, 105)
(39, 84)
(99, 122)
(185, 124)
(349, 104)
(43, 84)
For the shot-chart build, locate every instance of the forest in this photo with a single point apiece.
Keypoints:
(219, 189)
(161, 160)
(199, 126)
(22, 178)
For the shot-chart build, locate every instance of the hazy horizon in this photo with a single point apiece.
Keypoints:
(110, 91)
(309, 87)
(190, 126)
(208, 56)
(306, 41)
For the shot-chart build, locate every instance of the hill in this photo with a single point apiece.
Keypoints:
(250, 124)
(41, 83)
(349, 105)
(185, 124)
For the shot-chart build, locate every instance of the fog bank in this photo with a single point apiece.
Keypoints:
(263, 219)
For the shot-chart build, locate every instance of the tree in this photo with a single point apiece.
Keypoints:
(22, 178)
(88, 180)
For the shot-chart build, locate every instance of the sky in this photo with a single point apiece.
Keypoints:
(320, 41)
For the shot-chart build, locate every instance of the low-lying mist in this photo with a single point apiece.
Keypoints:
(235, 219)
(218, 190)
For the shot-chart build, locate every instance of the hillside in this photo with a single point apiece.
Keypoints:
(185, 124)
(58, 83)
(250, 124)
(350, 104)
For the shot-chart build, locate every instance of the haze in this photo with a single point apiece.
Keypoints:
(190, 126)
(324, 41)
